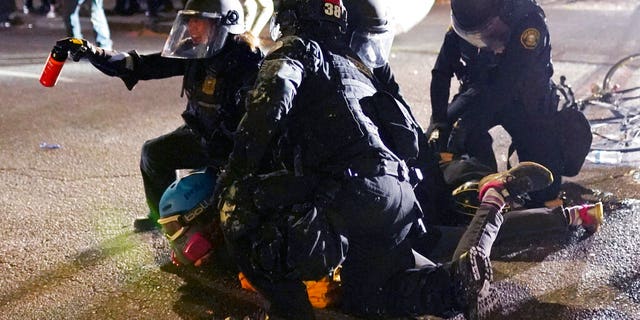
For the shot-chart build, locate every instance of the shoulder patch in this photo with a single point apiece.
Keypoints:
(530, 38)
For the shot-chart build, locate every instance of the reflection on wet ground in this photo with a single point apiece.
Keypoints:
(575, 275)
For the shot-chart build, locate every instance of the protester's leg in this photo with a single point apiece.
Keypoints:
(265, 10)
(496, 191)
(250, 8)
(71, 17)
(532, 223)
(162, 156)
(100, 25)
(471, 265)
(6, 9)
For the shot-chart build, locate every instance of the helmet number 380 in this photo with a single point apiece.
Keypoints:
(333, 9)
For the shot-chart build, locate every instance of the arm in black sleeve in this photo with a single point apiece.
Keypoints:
(443, 71)
(269, 101)
(132, 67)
(388, 83)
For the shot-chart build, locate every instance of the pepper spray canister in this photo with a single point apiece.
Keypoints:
(52, 68)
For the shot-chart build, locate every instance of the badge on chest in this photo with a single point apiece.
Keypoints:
(209, 85)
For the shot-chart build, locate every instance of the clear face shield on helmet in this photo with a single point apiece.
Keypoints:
(373, 48)
(492, 35)
(195, 35)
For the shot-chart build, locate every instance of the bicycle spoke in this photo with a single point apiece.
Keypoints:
(616, 135)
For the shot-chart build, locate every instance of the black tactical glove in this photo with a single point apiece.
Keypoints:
(110, 62)
(437, 136)
(78, 48)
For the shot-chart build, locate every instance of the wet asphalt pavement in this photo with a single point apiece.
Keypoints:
(68, 249)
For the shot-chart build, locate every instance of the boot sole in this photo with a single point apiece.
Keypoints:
(479, 297)
(525, 177)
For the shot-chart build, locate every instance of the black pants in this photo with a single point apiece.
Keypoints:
(532, 135)
(162, 156)
(440, 242)
(6, 9)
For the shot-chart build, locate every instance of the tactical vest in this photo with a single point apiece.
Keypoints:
(212, 87)
(328, 123)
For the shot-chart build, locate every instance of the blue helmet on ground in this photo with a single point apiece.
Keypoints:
(187, 217)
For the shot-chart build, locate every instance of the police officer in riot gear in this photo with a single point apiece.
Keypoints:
(500, 52)
(308, 92)
(218, 60)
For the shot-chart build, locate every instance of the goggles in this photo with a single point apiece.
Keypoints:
(172, 226)
(175, 225)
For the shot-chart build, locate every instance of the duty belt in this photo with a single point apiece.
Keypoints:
(378, 167)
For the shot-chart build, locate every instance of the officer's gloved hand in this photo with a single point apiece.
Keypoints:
(437, 136)
(78, 48)
(238, 214)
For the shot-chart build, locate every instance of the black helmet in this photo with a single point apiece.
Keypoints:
(314, 16)
(472, 14)
(372, 15)
(465, 199)
(200, 30)
(480, 22)
(370, 29)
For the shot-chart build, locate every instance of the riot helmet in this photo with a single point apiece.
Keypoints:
(188, 219)
(479, 22)
(371, 32)
(201, 29)
(465, 199)
(316, 17)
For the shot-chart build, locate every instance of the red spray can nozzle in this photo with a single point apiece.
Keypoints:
(53, 66)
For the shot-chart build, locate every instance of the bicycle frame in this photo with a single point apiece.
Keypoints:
(620, 131)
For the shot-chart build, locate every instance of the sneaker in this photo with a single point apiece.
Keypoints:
(589, 216)
(144, 224)
(524, 177)
(51, 14)
(472, 275)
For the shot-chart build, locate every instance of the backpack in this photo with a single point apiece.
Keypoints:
(396, 126)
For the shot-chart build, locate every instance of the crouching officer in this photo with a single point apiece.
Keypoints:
(500, 51)
(218, 60)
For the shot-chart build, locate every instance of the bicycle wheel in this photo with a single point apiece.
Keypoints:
(621, 85)
(616, 134)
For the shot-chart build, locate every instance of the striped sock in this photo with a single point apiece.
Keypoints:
(493, 197)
